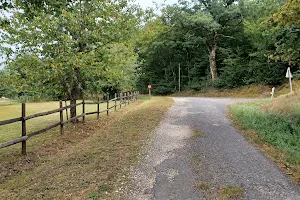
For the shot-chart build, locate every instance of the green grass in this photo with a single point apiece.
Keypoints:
(278, 130)
(145, 97)
(9, 111)
(197, 134)
(231, 192)
(9, 102)
(203, 186)
(100, 191)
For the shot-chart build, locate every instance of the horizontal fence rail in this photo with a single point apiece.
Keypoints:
(123, 98)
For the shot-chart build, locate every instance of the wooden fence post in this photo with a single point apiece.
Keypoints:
(61, 115)
(107, 107)
(128, 97)
(121, 100)
(115, 101)
(98, 107)
(23, 128)
(83, 111)
(125, 97)
(66, 110)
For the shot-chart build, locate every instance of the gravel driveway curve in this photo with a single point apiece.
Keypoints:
(220, 157)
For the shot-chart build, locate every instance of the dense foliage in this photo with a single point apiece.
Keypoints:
(66, 49)
(63, 49)
(221, 43)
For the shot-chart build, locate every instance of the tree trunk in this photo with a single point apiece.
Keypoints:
(213, 64)
(73, 111)
(75, 93)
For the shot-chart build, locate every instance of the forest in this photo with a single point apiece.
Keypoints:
(66, 49)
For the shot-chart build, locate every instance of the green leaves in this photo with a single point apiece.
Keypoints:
(77, 43)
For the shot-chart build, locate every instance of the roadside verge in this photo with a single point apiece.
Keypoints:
(90, 161)
(274, 132)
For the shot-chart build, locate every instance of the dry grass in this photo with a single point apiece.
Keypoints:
(288, 104)
(252, 91)
(285, 88)
(90, 161)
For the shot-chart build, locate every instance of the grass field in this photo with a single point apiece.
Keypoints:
(90, 161)
(10, 110)
(274, 127)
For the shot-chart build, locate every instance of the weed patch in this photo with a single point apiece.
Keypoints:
(197, 159)
(230, 192)
(203, 186)
(197, 134)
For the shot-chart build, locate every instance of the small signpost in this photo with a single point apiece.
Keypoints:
(149, 87)
(289, 76)
(272, 93)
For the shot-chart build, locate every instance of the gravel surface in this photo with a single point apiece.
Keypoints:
(177, 161)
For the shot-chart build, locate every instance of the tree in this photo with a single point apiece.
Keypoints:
(226, 39)
(286, 25)
(70, 40)
(7, 89)
(216, 19)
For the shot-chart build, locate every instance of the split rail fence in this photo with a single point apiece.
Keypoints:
(117, 101)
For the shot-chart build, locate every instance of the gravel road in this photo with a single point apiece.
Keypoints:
(177, 161)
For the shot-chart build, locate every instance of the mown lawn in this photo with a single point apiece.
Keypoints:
(275, 128)
(9, 111)
(90, 161)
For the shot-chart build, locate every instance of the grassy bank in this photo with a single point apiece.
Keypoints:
(90, 161)
(274, 127)
(251, 91)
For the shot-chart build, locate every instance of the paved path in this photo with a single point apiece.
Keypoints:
(176, 161)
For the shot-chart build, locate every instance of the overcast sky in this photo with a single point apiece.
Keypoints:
(148, 3)
(143, 3)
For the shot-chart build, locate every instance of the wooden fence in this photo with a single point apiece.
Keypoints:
(123, 98)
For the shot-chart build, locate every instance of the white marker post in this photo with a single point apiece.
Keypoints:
(272, 93)
(289, 76)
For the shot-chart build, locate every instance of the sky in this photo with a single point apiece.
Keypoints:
(143, 4)
(149, 3)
